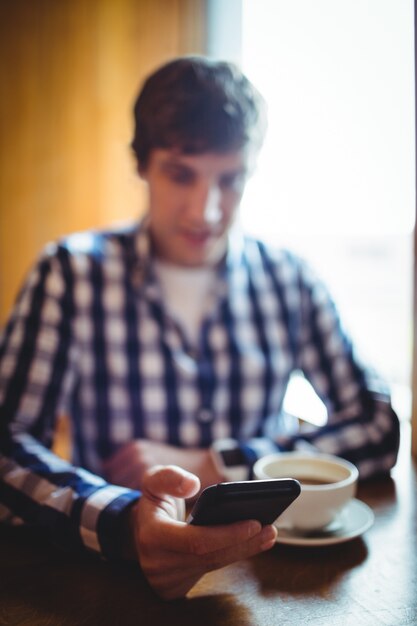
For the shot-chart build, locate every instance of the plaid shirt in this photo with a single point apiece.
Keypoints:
(90, 338)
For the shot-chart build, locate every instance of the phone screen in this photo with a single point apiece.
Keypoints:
(263, 500)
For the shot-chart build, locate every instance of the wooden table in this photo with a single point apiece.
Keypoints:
(369, 581)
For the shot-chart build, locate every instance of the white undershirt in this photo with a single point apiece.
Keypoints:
(186, 292)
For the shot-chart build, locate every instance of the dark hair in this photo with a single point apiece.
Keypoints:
(197, 105)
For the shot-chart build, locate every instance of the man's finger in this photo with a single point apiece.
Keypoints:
(163, 480)
(197, 540)
(259, 543)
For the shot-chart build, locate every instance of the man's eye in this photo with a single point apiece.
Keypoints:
(180, 177)
(234, 181)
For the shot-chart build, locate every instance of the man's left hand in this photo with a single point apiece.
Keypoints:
(128, 465)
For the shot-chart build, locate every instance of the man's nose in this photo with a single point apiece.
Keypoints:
(205, 206)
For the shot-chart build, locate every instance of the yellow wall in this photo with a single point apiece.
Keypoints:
(70, 70)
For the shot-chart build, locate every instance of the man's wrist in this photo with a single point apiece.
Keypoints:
(128, 540)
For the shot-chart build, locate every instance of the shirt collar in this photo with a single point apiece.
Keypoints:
(143, 268)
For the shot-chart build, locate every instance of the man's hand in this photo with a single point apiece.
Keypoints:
(129, 464)
(174, 555)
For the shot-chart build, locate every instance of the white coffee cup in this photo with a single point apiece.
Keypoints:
(328, 483)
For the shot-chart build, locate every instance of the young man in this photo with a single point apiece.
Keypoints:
(161, 339)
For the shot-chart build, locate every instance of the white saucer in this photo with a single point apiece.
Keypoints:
(354, 520)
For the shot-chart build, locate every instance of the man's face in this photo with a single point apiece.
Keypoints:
(193, 200)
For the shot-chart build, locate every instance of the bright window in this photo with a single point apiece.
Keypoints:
(336, 177)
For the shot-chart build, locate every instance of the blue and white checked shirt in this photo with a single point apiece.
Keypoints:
(90, 338)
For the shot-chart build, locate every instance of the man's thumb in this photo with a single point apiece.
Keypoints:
(162, 480)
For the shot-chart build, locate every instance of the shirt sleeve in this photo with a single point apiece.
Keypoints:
(362, 425)
(73, 507)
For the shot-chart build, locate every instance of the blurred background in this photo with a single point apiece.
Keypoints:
(70, 71)
(336, 178)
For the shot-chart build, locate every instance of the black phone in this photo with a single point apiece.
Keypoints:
(262, 500)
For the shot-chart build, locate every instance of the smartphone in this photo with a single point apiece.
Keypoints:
(262, 500)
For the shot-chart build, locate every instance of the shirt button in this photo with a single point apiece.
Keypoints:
(205, 415)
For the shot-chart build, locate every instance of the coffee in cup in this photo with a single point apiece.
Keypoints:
(328, 483)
